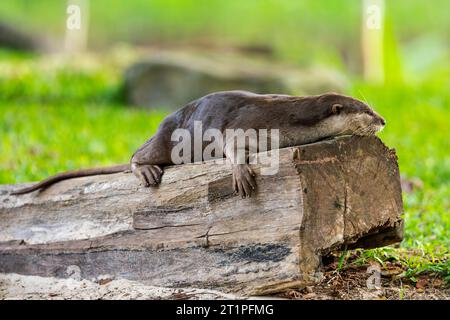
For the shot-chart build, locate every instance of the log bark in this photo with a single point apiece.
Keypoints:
(192, 231)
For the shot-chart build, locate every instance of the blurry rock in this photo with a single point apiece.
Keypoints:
(15, 39)
(172, 79)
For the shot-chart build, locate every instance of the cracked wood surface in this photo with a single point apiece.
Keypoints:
(193, 231)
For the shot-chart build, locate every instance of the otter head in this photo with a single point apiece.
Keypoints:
(346, 115)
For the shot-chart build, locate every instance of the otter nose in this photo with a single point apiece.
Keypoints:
(382, 122)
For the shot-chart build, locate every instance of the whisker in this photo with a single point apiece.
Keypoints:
(365, 100)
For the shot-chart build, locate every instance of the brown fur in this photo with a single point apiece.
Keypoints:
(299, 119)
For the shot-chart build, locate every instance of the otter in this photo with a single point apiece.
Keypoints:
(300, 120)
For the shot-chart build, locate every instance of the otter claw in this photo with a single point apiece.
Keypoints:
(149, 175)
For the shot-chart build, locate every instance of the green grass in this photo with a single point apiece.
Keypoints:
(68, 117)
(301, 31)
(39, 140)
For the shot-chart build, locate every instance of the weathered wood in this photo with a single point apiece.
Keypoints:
(193, 231)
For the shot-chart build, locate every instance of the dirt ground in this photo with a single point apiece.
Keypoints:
(351, 284)
(348, 284)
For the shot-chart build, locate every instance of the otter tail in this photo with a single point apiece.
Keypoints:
(72, 174)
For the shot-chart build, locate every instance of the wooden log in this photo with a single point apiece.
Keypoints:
(192, 231)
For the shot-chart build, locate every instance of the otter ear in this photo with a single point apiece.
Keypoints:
(336, 108)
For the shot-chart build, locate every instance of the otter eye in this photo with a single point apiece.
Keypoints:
(336, 108)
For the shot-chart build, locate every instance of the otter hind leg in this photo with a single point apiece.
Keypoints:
(147, 161)
(148, 174)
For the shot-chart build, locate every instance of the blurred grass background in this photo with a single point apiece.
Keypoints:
(59, 115)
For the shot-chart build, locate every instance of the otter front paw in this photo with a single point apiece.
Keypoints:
(243, 180)
(149, 174)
